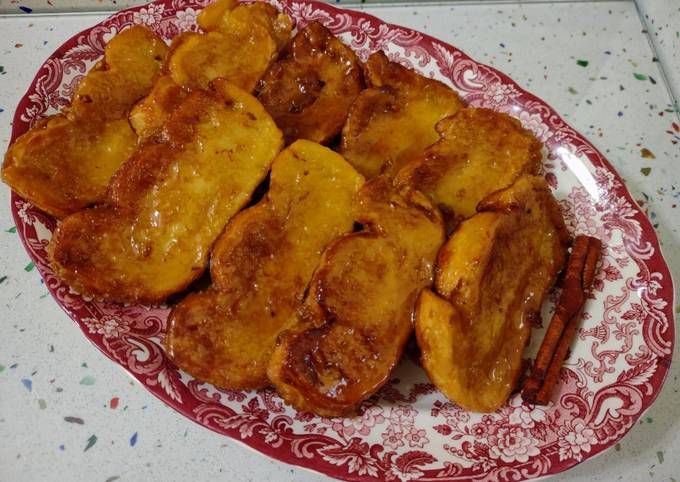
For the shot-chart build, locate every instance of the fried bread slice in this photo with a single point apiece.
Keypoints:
(480, 151)
(491, 278)
(309, 90)
(65, 161)
(239, 43)
(149, 114)
(394, 119)
(360, 304)
(230, 15)
(261, 267)
(170, 201)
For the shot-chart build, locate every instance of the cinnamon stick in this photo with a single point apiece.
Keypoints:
(578, 280)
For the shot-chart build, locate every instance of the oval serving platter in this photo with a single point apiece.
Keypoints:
(409, 431)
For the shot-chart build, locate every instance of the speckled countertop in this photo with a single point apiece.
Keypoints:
(68, 413)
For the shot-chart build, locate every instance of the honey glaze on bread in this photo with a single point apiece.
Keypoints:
(491, 278)
(394, 119)
(479, 151)
(261, 267)
(238, 43)
(310, 89)
(360, 304)
(65, 162)
(170, 201)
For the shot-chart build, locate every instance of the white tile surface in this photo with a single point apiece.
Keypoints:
(537, 45)
(662, 19)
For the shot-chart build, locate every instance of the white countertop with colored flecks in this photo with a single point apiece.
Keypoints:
(68, 413)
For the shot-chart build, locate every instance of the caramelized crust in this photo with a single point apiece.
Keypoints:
(393, 120)
(309, 91)
(480, 151)
(65, 161)
(149, 114)
(211, 16)
(360, 304)
(230, 15)
(491, 278)
(239, 44)
(261, 266)
(169, 202)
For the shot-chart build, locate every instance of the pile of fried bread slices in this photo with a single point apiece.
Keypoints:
(339, 206)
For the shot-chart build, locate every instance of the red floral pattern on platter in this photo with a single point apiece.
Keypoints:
(409, 431)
